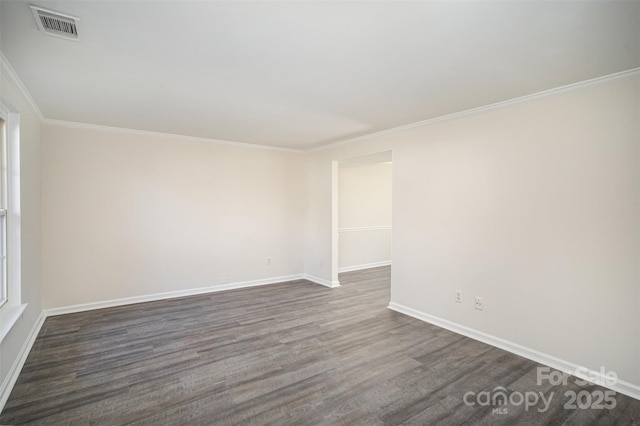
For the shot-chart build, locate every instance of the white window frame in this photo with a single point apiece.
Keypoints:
(11, 307)
(3, 211)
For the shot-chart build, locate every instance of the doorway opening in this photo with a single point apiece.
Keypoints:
(362, 213)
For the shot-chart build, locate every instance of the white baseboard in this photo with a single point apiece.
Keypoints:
(568, 367)
(14, 371)
(364, 266)
(322, 281)
(168, 295)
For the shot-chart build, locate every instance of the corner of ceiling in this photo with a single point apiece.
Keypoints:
(12, 76)
(619, 76)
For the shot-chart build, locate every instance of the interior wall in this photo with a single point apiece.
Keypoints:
(30, 151)
(132, 215)
(364, 216)
(318, 224)
(532, 206)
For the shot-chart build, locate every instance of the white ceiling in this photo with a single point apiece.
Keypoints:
(303, 74)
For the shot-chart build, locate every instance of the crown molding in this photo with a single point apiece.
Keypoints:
(7, 70)
(76, 125)
(12, 76)
(611, 78)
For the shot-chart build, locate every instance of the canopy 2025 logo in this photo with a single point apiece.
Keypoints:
(501, 399)
(584, 400)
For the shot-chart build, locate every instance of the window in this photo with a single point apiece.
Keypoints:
(3, 212)
(11, 306)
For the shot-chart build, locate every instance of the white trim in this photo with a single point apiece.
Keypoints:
(14, 216)
(365, 228)
(335, 220)
(12, 376)
(10, 315)
(364, 266)
(12, 308)
(167, 295)
(76, 125)
(14, 79)
(568, 367)
(620, 76)
(12, 76)
(321, 281)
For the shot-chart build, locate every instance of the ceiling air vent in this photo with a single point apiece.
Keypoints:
(57, 24)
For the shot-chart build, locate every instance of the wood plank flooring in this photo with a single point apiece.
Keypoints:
(292, 353)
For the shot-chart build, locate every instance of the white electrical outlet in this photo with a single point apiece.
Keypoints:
(458, 296)
(479, 304)
(269, 261)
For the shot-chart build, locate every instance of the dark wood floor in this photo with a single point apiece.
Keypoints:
(290, 353)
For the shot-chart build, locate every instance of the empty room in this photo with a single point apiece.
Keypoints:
(319, 212)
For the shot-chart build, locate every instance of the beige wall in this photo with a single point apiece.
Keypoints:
(131, 215)
(364, 207)
(533, 207)
(30, 227)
